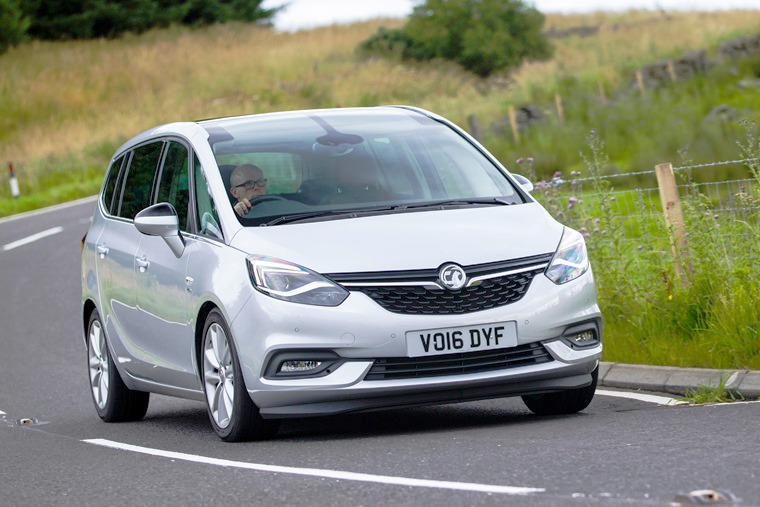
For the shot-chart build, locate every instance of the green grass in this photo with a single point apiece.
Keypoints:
(711, 394)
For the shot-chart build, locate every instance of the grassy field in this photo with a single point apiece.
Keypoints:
(66, 106)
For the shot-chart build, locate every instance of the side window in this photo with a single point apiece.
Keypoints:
(140, 175)
(109, 188)
(208, 219)
(173, 186)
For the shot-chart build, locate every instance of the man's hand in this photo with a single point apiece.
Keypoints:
(242, 207)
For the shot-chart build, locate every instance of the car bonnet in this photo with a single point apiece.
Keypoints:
(407, 241)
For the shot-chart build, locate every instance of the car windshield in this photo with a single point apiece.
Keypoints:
(315, 165)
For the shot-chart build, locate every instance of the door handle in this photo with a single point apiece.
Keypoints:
(102, 251)
(142, 264)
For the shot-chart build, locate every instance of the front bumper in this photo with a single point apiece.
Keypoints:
(360, 331)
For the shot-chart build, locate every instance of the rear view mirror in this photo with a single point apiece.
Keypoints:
(524, 182)
(161, 220)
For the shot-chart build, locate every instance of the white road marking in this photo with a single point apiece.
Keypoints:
(32, 238)
(317, 472)
(42, 211)
(2, 413)
(649, 398)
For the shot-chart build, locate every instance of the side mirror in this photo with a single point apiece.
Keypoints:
(161, 220)
(524, 182)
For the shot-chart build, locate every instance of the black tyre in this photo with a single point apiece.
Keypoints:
(563, 402)
(233, 414)
(114, 401)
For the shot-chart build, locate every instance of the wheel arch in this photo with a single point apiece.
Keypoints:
(200, 323)
(87, 308)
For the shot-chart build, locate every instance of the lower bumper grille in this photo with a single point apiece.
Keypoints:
(457, 364)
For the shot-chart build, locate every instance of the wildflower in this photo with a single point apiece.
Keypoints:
(640, 247)
(597, 220)
(519, 161)
(586, 235)
(530, 160)
(715, 216)
(573, 200)
(596, 229)
(547, 193)
(582, 229)
(557, 174)
(670, 297)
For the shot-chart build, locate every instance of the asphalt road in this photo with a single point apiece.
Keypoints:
(617, 452)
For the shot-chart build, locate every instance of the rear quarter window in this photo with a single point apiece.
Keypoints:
(109, 196)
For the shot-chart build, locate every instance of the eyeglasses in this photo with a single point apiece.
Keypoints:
(250, 184)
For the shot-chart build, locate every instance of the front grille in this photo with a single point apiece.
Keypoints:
(458, 364)
(419, 300)
(390, 289)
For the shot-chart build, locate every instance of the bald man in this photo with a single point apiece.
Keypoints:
(247, 181)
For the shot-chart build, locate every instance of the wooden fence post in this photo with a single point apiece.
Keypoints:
(473, 123)
(513, 124)
(640, 81)
(672, 71)
(602, 95)
(560, 109)
(671, 207)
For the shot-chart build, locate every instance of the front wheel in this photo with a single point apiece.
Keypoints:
(233, 414)
(563, 402)
(114, 401)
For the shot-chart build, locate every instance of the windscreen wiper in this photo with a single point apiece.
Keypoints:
(501, 201)
(351, 213)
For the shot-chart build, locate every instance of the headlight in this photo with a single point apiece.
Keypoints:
(571, 260)
(290, 282)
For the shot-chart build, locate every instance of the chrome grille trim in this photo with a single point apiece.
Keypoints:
(476, 280)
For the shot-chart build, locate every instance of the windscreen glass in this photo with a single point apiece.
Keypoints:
(329, 162)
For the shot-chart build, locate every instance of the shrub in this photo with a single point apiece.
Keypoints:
(484, 36)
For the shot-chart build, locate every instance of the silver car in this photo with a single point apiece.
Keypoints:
(383, 258)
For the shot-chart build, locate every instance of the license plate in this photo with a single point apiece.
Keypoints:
(431, 342)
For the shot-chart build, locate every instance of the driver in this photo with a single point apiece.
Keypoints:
(247, 181)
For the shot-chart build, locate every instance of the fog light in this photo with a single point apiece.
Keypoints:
(583, 339)
(299, 366)
(291, 364)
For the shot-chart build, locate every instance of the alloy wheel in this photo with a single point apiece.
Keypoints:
(98, 360)
(218, 375)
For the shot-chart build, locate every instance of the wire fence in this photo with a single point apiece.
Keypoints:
(730, 207)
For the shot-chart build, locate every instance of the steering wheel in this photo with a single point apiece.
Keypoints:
(264, 198)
